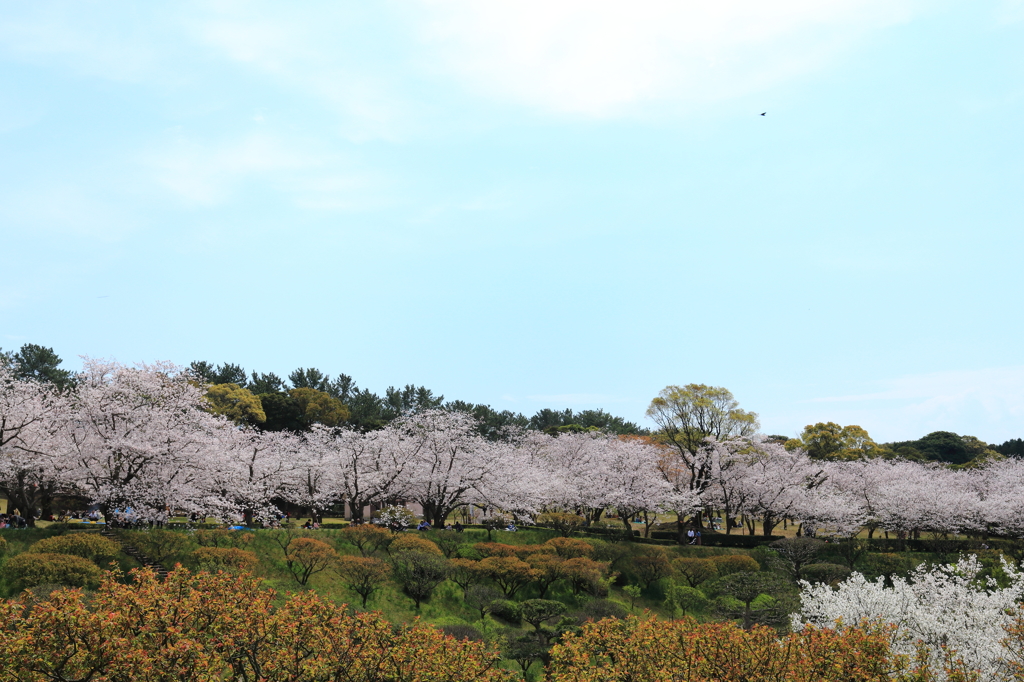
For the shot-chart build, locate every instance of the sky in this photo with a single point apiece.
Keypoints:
(532, 204)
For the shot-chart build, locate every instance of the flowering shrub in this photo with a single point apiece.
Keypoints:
(948, 609)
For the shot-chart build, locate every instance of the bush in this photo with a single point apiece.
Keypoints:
(599, 609)
(695, 571)
(414, 543)
(362, 574)
(367, 538)
(825, 573)
(885, 565)
(31, 569)
(448, 541)
(222, 537)
(570, 548)
(461, 631)
(308, 556)
(419, 573)
(735, 563)
(564, 523)
(650, 565)
(721, 540)
(225, 558)
(95, 548)
(159, 545)
(3, 546)
(685, 599)
(507, 610)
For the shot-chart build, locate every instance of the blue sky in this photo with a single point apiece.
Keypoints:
(532, 204)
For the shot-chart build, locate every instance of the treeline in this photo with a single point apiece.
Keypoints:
(831, 442)
(286, 404)
(309, 396)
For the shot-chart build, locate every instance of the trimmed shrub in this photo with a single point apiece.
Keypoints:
(650, 565)
(31, 569)
(461, 631)
(225, 558)
(570, 548)
(414, 543)
(362, 574)
(685, 599)
(507, 610)
(222, 537)
(735, 563)
(825, 573)
(599, 609)
(695, 571)
(3, 546)
(95, 548)
(367, 537)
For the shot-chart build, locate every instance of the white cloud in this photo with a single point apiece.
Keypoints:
(206, 173)
(209, 173)
(602, 57)
(312, 53)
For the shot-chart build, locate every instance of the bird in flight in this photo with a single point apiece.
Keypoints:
(763, 113)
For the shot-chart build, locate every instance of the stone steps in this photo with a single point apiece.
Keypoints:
(134, 553)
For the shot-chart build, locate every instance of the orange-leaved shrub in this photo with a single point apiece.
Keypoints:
(414, 543)
(225, 558)
(207, 627)
(649, 650)
(728, 564)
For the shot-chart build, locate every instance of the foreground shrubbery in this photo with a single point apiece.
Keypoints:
(205, 627)
(649, 650)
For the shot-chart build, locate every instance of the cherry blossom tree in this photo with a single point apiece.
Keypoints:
(252, 470)
(31, 416)
(449, 462)
(139, 436)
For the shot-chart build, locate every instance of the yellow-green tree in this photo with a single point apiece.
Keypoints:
(238, 404)
(319, 407)
(828, 440)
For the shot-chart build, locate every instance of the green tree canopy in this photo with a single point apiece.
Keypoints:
(687, 415)
(830, 441)
(226, 373)
(38, 363)
(238, 404)
(317, 407)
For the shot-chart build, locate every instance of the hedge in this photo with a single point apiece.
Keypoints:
(89, 546)
(31, 569)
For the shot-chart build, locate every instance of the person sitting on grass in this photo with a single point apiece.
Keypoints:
(423, 525)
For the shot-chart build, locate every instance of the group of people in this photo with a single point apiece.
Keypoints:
(13, 520)
(131, 518)
(425, 525)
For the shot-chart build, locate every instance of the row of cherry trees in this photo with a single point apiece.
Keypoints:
(140, 437)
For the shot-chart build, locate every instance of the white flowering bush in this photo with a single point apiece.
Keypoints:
(949, 609)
